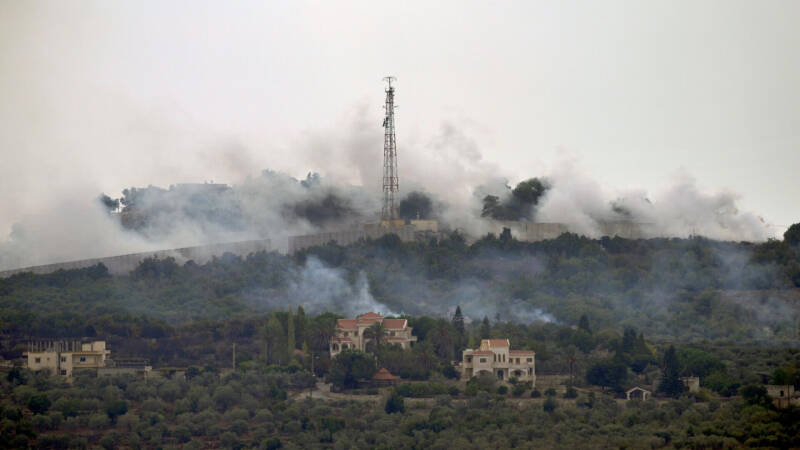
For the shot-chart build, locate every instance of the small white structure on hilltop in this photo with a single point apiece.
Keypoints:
(496, 357)
(349, 334)
(65, 357)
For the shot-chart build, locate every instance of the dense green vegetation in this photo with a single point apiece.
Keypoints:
(604, 315)
(268, 409)
(685, 289)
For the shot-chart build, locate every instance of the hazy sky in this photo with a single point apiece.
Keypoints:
(99, 96)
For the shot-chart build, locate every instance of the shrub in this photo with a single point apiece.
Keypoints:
(450, 372)
(395, 403)
(272, 444)
(240, 427)
(228, 439)
(550, 392)
(502, 390)
(453, 391)
(98, 421)
(549, 405)
(535, 393)
(571, 392)
(518, 390)
(39, 404)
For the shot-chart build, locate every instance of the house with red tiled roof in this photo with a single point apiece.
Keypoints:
(496, 357)
(349, 333)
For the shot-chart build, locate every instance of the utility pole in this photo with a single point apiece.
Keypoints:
(390, 178)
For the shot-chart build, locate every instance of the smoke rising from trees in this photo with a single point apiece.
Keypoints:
(275, 205)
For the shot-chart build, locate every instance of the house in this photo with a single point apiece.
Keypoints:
(496, 357)
(65, 357)
(637, 393)
(782, 395)
(349, 333)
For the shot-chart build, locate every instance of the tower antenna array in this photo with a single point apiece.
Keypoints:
(390, 178)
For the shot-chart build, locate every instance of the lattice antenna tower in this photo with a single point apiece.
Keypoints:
(390, 177)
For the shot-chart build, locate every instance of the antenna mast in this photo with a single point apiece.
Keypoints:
(390, 179)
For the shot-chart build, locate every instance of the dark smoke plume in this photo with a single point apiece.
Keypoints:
(519, 204)
(416, 205)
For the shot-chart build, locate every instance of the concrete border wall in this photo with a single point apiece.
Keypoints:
(123, 264)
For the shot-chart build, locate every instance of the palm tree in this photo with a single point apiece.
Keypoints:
(322, 333)
(376, 333)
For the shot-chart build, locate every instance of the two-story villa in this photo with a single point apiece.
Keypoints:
(496, 357)
(350, 332)
(65, 357)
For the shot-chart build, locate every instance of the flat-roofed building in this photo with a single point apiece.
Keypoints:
(349, 334)
(65, 357)
(496, 357)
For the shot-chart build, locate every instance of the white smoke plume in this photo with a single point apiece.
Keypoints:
(319, 288)
(449, 166)
(680, 210)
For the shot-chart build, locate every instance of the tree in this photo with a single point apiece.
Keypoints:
(792, 234)
(458, 321)
(116, 408)
(485, 330)
(395, 403)
(108, 203)
(350, 366)
(610, 373)
(290, 336)
(39, 403)
(441, 337)
(583, 324)
(375, 336)
(301, 326)
(671, 383)
(273, 334)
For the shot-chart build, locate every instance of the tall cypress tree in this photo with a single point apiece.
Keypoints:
(583, 324)
(671, 383)
(301, 327)
(486, 329)
(290, 337)
(458, 321)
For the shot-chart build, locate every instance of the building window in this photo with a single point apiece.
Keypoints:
(63, 359)
(38, 360)
(483, 360)
(469, 359)
(83, 359)
(346, 334)
(530, 359)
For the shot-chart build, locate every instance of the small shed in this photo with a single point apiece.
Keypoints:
(692, 383)
(383, 378)
(637, 393)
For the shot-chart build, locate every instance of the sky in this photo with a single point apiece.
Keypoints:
(97, 96)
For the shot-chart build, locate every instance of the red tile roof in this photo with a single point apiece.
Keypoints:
(498, 342)
(346, 323)
(521, 352)
(383, 374)
(394, 324)
(370, 315)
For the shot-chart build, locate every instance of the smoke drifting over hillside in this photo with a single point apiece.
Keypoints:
(319, 288)
(448, 167)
